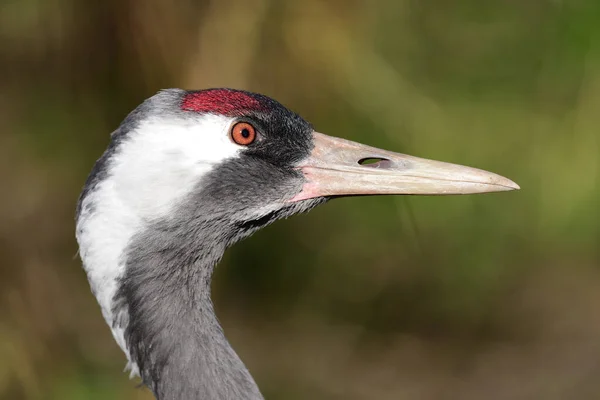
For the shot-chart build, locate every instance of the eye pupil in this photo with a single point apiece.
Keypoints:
(245, 133)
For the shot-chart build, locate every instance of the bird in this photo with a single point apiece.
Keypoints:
(187, 174)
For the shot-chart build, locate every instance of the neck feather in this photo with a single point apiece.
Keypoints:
(172, 332)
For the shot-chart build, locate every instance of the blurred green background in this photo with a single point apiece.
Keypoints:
(474, 297)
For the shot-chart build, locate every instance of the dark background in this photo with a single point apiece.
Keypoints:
(472, 297)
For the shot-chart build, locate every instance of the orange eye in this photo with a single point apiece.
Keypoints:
(243, 133)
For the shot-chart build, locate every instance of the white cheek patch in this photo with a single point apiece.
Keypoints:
(161, 162)
(156, 165)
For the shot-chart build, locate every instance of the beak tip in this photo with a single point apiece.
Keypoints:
(510, 185)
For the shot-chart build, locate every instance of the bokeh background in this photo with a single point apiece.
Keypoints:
(475, 297)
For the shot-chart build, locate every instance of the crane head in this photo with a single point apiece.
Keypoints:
(256, 158)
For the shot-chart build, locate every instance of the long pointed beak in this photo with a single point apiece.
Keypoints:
(337, 167)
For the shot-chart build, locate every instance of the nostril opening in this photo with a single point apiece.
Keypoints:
(374, 162)
(370, 160)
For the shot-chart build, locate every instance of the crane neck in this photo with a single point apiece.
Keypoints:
(173, 333)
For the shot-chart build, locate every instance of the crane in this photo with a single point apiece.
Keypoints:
(188, 174)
